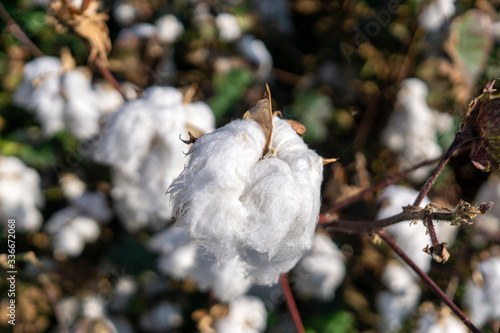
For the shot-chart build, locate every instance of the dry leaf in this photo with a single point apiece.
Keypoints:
(87, 23)
(263, 114)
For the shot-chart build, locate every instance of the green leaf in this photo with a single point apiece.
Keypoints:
(314, 111)
(229, 89)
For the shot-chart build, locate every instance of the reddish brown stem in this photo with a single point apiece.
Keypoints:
(430, 227)
(459, 139)
(18, 33)
(108, 76)
(290, 302)
(432, 285)
(391, 180)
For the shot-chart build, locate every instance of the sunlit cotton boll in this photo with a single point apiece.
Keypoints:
(229, 29)
(237, 204)
(320, 272)
(432, 322)
(256, 51)
(169, 29)
(483, 301)
(20, 194)
(141, 142)
(436, 13)
(399, 300)
(247, 314)
(40, 91)
(411, 132)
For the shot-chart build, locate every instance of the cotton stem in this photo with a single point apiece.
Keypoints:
(432, 285)
(290, 302)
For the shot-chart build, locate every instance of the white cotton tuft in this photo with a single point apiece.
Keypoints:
(247, 314)
(81, 111)
(229, 29)
(397, 303)
(412, 128)
(431, 322)
(93, 308)
(169, 28)
(436, 13)
(20, 195)
(319, 273)
(482, 301)
(263, 211)
(489, 224)
(256, 51)
(183, 259)
(141, 142)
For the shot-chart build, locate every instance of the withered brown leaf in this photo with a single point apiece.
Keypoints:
(87, 23)
(263, 114)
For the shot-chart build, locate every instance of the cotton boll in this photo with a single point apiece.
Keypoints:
(476, 301)
(169, 28)
(124, 13)
(20, 194)
(400, 300)
(256, 51)
(163, 317)
(489, 192)
(87, 228)
(230, 281)
(263, 211)
(436, 13)
(123, 292)
(490, 269)
(109, 98)
(227, 24)
(430, 322)
(319, 273)
(138, 30)
(412, 127)
(200, 117)
(247, 314)
(69, 242)
(81, 113)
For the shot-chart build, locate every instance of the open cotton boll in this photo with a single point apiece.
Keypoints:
(81, 111)
(263, 211)
(229, 29)
(20, 194)
(432, 322)
(247, 314)
(399, 301)
(200, 117)
(169, 28)
(489, 192)
(411, 130)
(436, 13)
(256, 51)
(320, 272)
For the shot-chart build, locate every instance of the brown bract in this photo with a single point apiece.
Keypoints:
(481, 123)
(263, 114)
(86, 22)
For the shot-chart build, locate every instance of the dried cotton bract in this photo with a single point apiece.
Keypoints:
(239, 204)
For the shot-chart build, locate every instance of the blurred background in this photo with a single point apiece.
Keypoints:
(84, 167)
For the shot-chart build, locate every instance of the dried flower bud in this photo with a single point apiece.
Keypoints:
(481, 123)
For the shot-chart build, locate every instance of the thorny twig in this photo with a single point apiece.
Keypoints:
(432, 285)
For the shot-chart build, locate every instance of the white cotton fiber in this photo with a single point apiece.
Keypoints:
(20, 194)
(229, 29)
(320, 272)
(247, 314)
(237, 204)
(432, 322)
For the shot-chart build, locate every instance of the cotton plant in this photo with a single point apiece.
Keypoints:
(141, 142)
(321, 271)
(247, 314)
(411, 132)
(436, 13)
(183, 259)
(399, 301)
(443, 321)
(481, 297)
(251, 192)
(228, 27)
(20, 195)
(61, 97)
(73, 227)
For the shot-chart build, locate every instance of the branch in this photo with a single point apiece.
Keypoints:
(432, 285)
(18, 33)
(292, 306)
